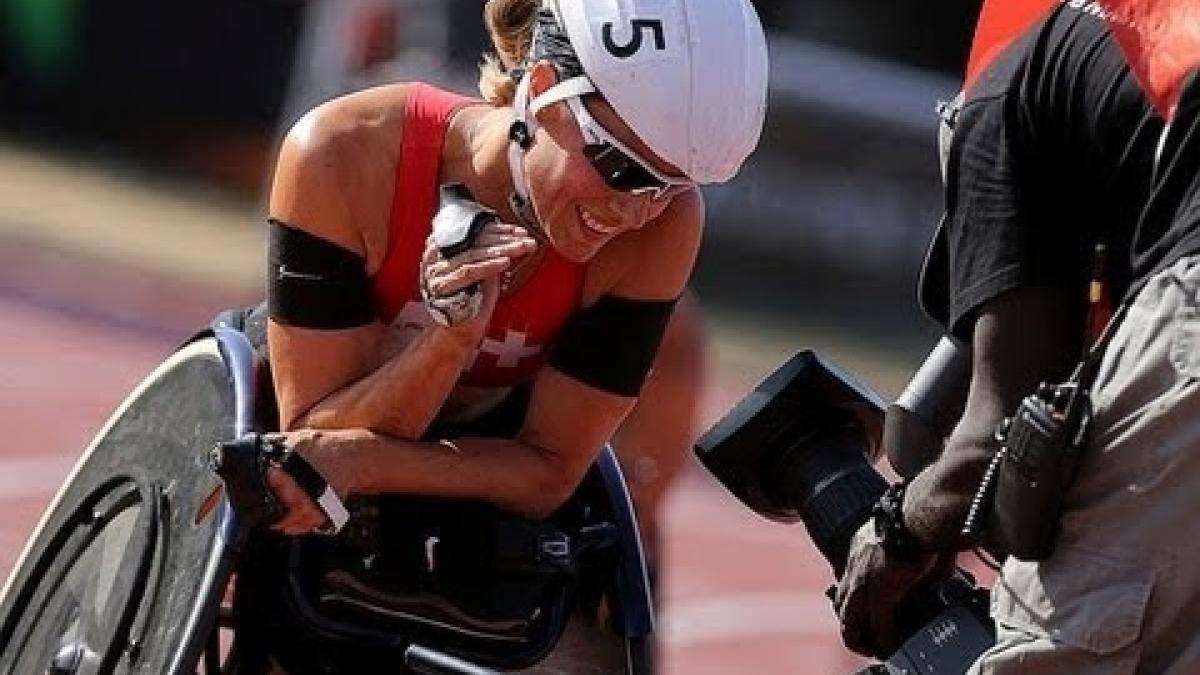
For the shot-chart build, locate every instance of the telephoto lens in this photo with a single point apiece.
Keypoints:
(825, 475)
(799, 448)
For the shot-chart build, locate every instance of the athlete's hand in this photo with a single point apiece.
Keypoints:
(872, 587)
(497, 248)
(301, 515)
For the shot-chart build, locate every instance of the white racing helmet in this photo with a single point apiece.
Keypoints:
(689, 77)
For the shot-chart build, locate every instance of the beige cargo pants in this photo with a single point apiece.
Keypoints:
(1121, 592)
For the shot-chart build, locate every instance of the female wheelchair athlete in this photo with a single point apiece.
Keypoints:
(129, 570)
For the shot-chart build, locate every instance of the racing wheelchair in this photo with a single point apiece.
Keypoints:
(141, 564)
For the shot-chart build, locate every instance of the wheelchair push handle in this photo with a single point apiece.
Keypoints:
(242, 465)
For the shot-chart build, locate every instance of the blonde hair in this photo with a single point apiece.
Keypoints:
(510, 25)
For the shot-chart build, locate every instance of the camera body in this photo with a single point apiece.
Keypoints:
(801, 447)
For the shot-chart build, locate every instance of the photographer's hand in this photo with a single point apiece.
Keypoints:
(872, 587)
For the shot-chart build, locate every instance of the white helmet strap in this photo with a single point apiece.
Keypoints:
(521, 135)
(572, 87)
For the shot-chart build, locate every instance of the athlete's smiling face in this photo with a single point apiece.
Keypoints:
(579, 210)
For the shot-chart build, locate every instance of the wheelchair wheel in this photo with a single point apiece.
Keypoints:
(125, 572)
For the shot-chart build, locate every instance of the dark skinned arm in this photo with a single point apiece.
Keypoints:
(1021, 338)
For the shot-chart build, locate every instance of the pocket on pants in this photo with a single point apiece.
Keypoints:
(1185, 335)
(1078, 599)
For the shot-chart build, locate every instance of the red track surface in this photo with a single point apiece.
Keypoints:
(740, 595)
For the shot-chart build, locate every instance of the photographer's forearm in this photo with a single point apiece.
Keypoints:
(1021, 337)
(939, 498)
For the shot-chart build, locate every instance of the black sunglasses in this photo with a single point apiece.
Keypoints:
(620, 171)
(619, 166)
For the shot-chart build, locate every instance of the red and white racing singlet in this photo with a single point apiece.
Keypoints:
(524, 324)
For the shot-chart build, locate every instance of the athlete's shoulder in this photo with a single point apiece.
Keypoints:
(336, 165)
(350, 122)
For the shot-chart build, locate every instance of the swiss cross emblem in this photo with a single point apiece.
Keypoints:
(509, 351)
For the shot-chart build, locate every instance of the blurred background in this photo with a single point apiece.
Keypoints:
(136, 139)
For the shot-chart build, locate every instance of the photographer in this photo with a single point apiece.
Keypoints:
(1053, 153)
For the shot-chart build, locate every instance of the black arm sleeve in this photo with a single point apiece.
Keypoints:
(314, 283)
(611, 345)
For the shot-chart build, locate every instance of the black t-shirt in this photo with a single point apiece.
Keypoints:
(1053, 149)
(1170, 226)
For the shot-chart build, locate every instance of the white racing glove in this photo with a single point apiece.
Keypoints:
(456, 226)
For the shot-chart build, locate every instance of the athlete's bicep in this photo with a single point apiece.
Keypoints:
(309, 365)
(570, 420)
(323, 323)
(323, 333)
(611, 344)
(602, 356)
